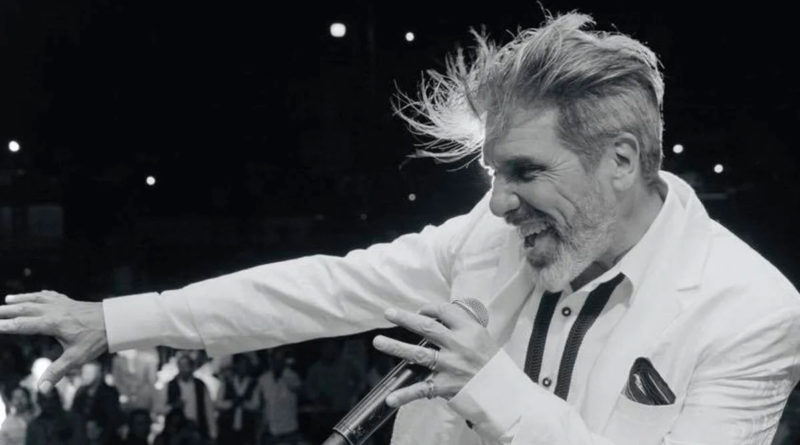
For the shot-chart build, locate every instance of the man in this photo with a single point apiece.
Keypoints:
(135, 374)
(139, 425)
(54, 426)
(237, 404)
(189, 394)
(619, 312)
(278, 389)
(333, 382)
(97, 401)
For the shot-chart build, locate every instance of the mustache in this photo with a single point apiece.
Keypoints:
(526, 214)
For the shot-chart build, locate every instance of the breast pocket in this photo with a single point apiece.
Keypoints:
(635, 423)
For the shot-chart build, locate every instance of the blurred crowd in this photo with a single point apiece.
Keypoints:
(168, 397)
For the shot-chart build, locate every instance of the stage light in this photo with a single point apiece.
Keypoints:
(409, 36)
(412, 197)
(13, 146)
(363, 217)
(677, 149)
(718, 168)
(27, 272)
(151, 180)
(338, 29)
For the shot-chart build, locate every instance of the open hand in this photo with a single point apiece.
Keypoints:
(464, 348)
(78, 326)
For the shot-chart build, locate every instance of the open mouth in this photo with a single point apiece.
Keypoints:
(530, 239)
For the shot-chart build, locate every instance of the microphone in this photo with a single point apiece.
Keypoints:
(372, 411)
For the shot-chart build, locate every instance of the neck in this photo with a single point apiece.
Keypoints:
(636, 216)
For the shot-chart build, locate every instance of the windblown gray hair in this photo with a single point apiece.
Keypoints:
(601, 83)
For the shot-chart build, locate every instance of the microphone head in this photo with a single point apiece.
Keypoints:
(475, 308)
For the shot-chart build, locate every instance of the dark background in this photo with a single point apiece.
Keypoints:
(270, 139)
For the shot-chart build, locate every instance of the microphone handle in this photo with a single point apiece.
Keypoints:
(372, 411)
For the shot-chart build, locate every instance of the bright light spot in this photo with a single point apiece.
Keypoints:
(718, 168)
(151, 180)
(13, 146)
(338, 29)
(363, 217)
(677, 149)
(412, 197)
(27, 272)
(409, 36)
(38, 368)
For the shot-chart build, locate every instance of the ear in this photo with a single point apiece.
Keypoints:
(625, 153)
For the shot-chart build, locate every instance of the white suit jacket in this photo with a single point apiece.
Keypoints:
(719, 323)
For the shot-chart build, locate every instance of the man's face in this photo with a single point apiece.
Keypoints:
(20, 400)
(91, 373)
(564, 214)
(185, 367)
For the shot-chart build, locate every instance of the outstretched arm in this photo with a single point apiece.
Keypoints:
(265, 306)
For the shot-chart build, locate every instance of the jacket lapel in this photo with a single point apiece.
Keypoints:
(675, 270)
(514, 283)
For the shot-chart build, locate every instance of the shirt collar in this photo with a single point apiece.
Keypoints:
(634, 263)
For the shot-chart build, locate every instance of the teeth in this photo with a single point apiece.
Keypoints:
(531, 230)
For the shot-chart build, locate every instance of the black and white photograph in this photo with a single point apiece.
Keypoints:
(559, 222)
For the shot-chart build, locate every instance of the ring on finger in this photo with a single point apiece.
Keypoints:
(431, 390)
(435, 361)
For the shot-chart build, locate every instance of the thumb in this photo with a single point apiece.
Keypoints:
(57, 370)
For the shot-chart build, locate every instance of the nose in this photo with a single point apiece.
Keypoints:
(503, 200)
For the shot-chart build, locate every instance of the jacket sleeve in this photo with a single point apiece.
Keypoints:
(736, 396)
(295, 300)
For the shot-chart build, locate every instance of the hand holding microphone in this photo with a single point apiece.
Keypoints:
(464, 345)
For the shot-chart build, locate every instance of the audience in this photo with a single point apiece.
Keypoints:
(54, 426)
(69, 386)
(97, 433)
(22, 411)
(280, 407)
(238, 404)
(173, 423)
(98, 402)
(278, 388)
(134, 373)
(333, 385)
(139, 425)
(189, 394)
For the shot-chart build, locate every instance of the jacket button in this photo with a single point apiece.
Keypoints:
(546, 382)
(566, 312)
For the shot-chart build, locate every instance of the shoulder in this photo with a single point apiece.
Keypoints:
(737, 272)
(742, 298)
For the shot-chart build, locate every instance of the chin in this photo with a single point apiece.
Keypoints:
(556, 272)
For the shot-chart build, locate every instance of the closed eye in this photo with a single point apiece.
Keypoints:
(526, 173)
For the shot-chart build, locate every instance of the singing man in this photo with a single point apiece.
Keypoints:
(619, 311)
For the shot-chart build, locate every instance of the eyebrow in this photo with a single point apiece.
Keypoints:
(520, 162)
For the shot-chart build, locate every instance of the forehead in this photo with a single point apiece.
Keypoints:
(529, 134)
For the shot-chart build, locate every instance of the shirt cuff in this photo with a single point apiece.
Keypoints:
(148, 320)
(498, 396)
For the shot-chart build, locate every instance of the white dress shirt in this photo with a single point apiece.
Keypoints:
(633, 266)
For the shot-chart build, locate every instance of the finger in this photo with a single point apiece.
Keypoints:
(22, 325)
(449, 314)
(410, 393)
(17, 310)
(415, 354)
(422, 325)
(57, 370)
(31, 297)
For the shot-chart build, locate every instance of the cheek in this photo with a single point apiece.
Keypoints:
(547, 197)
